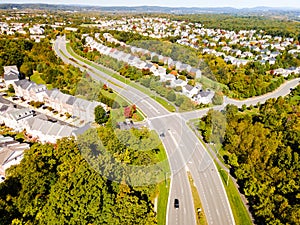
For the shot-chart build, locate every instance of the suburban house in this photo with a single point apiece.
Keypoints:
(195, 73)
(11, 74)
(190, 90)
(11, 152)
(204, 97)
(178, 82)
(167, 77)
(161, 71)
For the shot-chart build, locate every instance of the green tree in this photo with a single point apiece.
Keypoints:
(11, 89)
(218, 98)
(171, 96)
(100, 115)
(26, 69)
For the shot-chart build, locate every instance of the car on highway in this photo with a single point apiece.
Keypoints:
(176, 203)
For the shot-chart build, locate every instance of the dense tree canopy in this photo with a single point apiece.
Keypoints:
(85, 181)
(262, 148)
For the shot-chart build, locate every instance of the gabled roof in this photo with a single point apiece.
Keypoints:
(149, 65)
(11, 73)
(47, 126)
(11, 76)
(54, 93)
(4, 155)
(189, 87)
(204, 93)
(71, 100)
(3, 107)
(18, 114)
(66, 131)
(55, 129)
(194, 70)
(8, 69)
(131, 57)
(178, 81)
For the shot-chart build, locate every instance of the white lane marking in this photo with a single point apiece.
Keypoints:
(150, 106)
(173, 138)
(217, 211)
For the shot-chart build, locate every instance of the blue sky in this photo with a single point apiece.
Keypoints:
(175, 3)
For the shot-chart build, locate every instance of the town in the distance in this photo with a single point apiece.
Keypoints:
(149, 115)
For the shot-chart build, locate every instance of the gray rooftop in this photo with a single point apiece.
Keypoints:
(18, 114)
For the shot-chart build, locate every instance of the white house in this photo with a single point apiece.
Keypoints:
(11, 154)
(11, 74)
(14, 118)
(196, 72)
(167, 77)
(204, 97)
(190, 90)
(178, 82)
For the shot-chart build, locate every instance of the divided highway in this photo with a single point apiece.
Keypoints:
(185, 152)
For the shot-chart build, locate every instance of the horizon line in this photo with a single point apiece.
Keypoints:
(205, 7)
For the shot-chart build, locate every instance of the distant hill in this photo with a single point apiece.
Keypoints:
(148, 9)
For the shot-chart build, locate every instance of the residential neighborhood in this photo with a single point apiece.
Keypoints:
(39, 126)
(158, 113)
(237, 48)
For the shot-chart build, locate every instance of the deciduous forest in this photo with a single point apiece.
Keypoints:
(75, 182)
(261, 146)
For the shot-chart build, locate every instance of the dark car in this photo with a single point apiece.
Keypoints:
(176, 203)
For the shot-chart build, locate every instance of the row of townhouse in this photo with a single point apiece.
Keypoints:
(63, 103)
(193, 92)
(286, 72)
(166, 60)
(37, 127)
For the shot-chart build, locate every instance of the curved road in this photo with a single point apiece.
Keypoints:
(185, 152)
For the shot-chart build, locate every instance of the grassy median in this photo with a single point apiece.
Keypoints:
(199, 212)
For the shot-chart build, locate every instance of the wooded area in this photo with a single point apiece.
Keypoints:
(75, 182)
(261, 145)
(30, 56)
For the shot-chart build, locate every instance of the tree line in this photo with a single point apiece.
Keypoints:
(261, 146)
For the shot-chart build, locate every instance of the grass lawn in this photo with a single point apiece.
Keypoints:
(118, 115)
(295, 99)
(200, 216)
(116, 97)
(163, 187)
(238, 208)
(36, 78)
(170, 107)
(160, 100)
(214, 85)
(163, 195)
